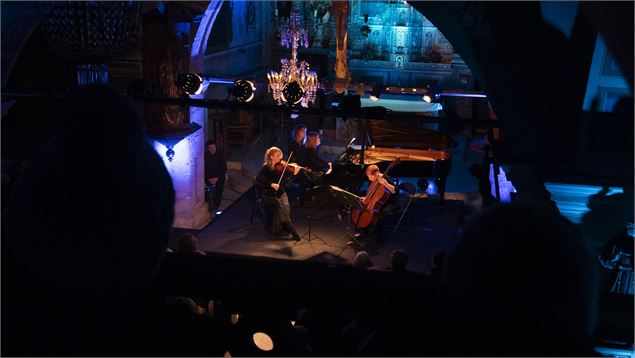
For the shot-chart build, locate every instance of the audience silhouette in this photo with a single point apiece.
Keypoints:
(188, 244)
(520, 280)
(87, 227)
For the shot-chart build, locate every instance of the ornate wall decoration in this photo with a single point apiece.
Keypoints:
(384, 39)
(163, 61)
(396, 29)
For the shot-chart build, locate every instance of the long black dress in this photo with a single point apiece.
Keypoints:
(275, 203)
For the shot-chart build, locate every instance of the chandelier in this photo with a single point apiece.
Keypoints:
(295, 83)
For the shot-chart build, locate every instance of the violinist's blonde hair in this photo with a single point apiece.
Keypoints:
(269, 155)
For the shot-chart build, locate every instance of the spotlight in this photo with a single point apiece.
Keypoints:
(190, 83)
(431, 95)
(292, 92)
(375, 93)
(244, 90)
(219, 212)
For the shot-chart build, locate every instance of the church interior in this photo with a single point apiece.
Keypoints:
(317, 178)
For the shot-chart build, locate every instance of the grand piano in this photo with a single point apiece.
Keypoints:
(424, 153)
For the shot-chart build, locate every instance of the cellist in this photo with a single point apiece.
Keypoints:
(375, 177)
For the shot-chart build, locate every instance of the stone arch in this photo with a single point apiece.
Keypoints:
(199, 45)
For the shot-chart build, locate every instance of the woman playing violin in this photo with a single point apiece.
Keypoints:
(271, 179)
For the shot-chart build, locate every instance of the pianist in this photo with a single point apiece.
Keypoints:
(297, 145)
(317, 192)
(313, 160)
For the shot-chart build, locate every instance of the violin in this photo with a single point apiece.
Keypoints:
(279, 167)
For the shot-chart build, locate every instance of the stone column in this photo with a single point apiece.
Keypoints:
(181, 49)
(191, 210)
(188, 175)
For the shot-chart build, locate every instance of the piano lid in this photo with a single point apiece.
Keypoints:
(388, 134)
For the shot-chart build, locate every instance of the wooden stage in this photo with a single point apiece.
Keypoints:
(232, 233)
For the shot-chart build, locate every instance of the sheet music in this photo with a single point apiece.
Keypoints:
(337, 188)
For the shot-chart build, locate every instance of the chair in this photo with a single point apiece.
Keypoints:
(411, 190)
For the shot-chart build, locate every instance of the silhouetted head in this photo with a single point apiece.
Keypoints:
(94, 209)
(399, 260)
(362, 260)
(521, 277)
(187, 243)
(299, 133)
(211, 146)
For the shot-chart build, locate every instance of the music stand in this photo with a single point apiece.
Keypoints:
(349, 200)
(307, 235)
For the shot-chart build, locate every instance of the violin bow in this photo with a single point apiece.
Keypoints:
(285, 168)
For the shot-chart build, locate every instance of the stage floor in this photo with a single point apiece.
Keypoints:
(232, 233)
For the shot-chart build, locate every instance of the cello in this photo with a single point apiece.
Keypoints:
(376, 196)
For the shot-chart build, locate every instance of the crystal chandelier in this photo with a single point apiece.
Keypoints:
(294, 83)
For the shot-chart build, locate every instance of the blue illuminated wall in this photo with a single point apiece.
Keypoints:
(392, 43)
(389, 42)
(398, 33)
